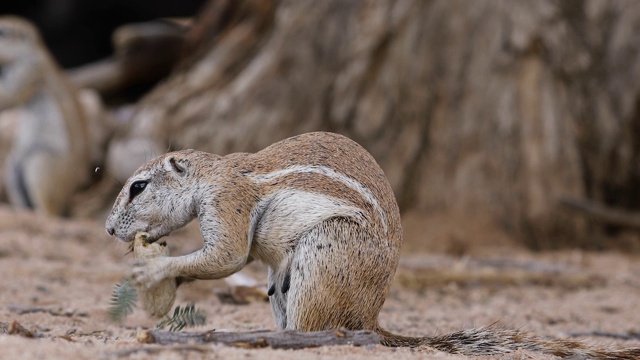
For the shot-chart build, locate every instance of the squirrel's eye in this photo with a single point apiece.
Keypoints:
(136, 188)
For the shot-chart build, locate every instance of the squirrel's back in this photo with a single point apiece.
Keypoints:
(352, 172)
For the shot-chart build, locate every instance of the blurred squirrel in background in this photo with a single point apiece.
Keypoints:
(54, 143)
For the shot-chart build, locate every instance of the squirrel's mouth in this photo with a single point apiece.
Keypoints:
(150, 237)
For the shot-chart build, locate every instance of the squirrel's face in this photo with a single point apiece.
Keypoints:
(17, 30)
(157, 199)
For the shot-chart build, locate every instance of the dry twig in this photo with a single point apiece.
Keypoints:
(276, 339)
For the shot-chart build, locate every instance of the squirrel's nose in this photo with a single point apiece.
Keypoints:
(111, 231)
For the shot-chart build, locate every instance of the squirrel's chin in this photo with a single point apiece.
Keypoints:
(124, 240)
(127, 238)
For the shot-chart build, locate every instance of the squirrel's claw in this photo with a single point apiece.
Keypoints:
(149, 272)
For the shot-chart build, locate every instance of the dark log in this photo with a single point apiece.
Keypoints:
(260, 339)
(145, 53)
(602, 213)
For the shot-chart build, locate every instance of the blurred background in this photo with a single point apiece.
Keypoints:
(509, 131)
(497, 122)
(79, 32)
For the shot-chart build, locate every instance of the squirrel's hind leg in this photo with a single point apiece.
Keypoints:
(338, 277)
(278, 292)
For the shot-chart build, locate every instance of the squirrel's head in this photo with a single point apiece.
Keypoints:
(161, 196)
(14, 29)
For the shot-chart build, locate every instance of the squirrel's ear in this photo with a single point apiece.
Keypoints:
(179, 166)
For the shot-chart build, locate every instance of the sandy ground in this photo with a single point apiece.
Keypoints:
(58, 275)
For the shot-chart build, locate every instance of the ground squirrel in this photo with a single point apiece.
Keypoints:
(318, 211)
(50, 153)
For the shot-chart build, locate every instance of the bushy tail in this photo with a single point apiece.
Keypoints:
(493, 341)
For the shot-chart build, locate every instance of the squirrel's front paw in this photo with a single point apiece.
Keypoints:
(149, 272)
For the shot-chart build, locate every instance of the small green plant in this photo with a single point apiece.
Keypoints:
(123, 300)
(183, 317)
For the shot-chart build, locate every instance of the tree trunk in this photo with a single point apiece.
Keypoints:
(476, 108)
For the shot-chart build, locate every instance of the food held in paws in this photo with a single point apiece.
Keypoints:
(158, 299)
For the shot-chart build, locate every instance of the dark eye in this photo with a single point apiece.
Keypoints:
(136, 188)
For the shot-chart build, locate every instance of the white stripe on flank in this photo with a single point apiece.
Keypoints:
(330, 173)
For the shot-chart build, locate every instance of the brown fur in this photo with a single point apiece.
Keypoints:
(317, 210)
